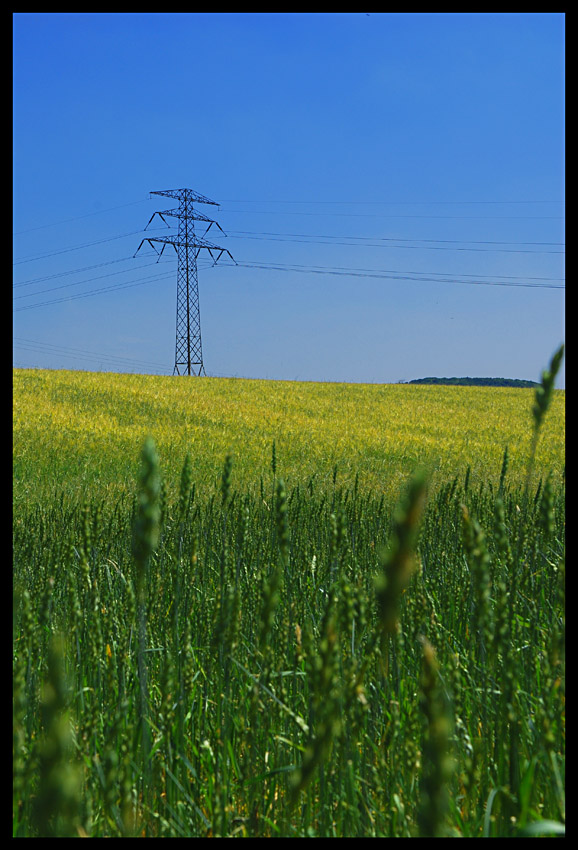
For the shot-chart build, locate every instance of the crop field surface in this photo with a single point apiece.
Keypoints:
(84, 430)
(252, 608)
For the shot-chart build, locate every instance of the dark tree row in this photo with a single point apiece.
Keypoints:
(476, 382)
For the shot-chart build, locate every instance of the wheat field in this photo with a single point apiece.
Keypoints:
(271, 609)
(84, 431)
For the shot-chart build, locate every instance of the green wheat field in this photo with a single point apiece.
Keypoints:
(279, 609)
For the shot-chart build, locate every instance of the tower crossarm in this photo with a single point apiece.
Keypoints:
(191, 214)
(194, 242)
(178, 214)
(186, 195)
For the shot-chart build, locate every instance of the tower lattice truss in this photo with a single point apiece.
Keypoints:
(188, 347)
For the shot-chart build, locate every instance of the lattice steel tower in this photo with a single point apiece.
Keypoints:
(188, 350)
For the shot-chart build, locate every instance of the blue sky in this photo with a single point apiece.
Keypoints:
(391, 187)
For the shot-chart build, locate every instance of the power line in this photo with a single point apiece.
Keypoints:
(395, 238)
(311, 239)
(78, 217)
(415, 277)
(69, 272)
(388, 203)
(273, 236)
(80, 282)
(92, 292)
(102, 290)
(379, 239)
(388, 276)
(415, 272)
(79, 353)
(303, 202)
(359, 241)
(74, 248)
(379, 242)
(404, 215)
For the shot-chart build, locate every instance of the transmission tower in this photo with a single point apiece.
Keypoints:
(188, 350)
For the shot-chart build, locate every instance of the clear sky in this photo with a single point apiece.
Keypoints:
(391, 187)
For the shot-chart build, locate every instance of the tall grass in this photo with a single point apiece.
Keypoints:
(292, 661)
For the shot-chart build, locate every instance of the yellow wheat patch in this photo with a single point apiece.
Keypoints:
(87, 429)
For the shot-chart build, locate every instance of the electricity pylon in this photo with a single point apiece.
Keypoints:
(188, 350)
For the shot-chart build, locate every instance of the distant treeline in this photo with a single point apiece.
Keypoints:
(476, 382)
